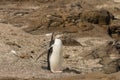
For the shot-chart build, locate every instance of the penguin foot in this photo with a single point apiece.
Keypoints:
(56, 71)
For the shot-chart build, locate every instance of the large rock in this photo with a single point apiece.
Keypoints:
(110, 57)
(97, 17)
(114, 29)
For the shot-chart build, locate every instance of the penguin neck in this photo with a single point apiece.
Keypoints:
(58, 42)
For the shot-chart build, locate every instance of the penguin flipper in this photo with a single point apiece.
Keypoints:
(50, 50)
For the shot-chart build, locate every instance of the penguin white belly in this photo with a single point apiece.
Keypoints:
(56, 57)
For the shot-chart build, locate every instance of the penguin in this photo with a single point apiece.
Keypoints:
(54, 56)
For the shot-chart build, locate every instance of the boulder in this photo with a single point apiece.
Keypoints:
(97, 17)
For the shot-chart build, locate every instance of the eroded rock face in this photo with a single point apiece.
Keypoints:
(95, 56)
(62, 20)
(114, 29)
(109, 56)
(97, 17)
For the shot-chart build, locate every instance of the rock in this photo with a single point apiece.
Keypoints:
(84, 26)
(109, 57)
(110, 61)
(54, 20)
(73, 18)
(111, 68)
(68, 70)
(66, 56)
(102, 54)
(70, 42)
(115, 29)
(97, 17)
(106, 60)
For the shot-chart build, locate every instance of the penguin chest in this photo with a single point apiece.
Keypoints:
(56, 57)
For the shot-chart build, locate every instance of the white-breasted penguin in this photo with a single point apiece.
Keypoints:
(54, 57)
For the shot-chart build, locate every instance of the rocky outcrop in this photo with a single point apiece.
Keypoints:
(110, 58)
(95, 55)
(103, 17)
(114, 29)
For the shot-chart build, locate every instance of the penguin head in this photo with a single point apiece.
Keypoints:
(55, 35)
(59, 36)
(56, 38)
